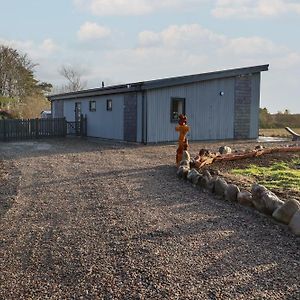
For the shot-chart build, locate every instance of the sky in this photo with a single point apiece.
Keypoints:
(122, 41)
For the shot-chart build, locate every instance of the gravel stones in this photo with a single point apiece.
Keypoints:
(285, 212)
(107, 220)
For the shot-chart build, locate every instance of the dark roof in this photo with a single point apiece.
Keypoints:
(159, 83)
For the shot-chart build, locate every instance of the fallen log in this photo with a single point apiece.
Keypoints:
(201, 161)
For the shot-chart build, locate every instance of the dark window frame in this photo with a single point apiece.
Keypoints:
(109, 104)
(179, 99)
(93, 109)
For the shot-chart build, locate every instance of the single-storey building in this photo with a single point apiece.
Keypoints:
(219, 105)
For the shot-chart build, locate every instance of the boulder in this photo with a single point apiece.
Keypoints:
(203, 182)
(245, 198)
(186, 155)
(294, 224)
(211, 184)
(285, 213)
(264, 200)
(220, 187)
(231, 192)
(225, 150)
(207, 174)
(185, 162)
(259, 147)
(193, 176)
(183, 171)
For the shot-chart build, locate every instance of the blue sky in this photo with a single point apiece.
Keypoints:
(119, 41)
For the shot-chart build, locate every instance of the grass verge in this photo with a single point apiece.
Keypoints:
(280, 175)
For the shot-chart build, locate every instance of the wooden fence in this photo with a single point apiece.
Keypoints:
(31, 129)
(40, 128)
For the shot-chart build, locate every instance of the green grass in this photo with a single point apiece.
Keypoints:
(280, 175)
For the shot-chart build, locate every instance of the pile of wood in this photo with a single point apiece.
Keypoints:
(206, 158)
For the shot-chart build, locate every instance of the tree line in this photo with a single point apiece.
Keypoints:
(21, 94)
(278, 120)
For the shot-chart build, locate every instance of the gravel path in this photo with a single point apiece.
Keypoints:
(112, 221)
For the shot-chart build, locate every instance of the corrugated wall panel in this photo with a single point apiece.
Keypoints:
(209, 114)
(255, 103)
(139, 118)
(101, 123)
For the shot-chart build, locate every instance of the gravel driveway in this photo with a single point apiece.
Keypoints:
(111, 221)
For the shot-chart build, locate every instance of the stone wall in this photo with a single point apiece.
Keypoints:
(242, 107)
(130, 117)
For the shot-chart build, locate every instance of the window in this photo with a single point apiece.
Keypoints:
(92, 105)
(177, 108)
(109, 104)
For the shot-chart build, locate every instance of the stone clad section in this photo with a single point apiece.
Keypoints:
(130, 117)
(242, 107)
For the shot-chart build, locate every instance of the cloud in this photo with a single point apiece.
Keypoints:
(254, 8)
(189, 37)
(173, 51)
(35, 50)
(49, 46)
(92, 31)
(133, 7)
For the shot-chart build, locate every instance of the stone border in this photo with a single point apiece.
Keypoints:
(260, 197)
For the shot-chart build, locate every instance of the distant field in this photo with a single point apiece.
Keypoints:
(276, 132)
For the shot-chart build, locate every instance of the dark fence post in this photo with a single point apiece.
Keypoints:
(65, 127)
(4, 130)
(85, 125)
(36, 128)
(81, 125)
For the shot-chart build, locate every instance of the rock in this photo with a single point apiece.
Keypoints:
(225, 150)
(259, 147)
(183, 171)
(207, 174)
(285, 213)
(203, 182)
(294, 224)
(186, 155)
(220, 187)
(211, 184)
(185, 162)
(193, 176)
(245, 198)
(264, 200)
(231, 192)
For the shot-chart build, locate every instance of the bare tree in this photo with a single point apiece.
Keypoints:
(73, 76)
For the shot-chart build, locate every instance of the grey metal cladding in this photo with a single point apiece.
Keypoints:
(210, 115)
(159, 83)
